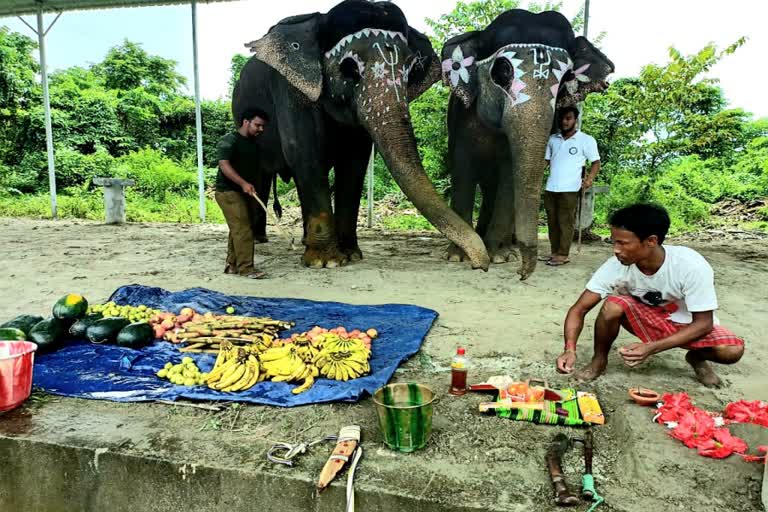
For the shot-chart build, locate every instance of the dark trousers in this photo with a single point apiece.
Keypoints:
(561, 220)
(242, 214)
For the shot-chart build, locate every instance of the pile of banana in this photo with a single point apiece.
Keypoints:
(302, 359)
(236, 369)
(284, 364)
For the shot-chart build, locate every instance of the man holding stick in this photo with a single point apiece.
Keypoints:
(236, 184)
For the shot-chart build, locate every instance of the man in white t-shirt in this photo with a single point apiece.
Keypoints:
(566, 155)
(664, 295)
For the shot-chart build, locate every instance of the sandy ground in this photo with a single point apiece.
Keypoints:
(508, 326)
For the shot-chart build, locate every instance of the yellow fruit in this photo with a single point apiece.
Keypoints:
(168, 366)
(189, 382)
(162, 373)
(187, 360)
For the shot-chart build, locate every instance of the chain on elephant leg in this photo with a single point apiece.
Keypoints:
(322, 248)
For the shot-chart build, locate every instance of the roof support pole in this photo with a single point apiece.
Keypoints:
(198, 116)
(370, 186)
(47, 108)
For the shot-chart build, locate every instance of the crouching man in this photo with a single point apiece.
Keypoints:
(664, 295)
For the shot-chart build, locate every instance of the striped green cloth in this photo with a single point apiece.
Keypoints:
(548, 416)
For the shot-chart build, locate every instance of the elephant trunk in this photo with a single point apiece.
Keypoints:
(393, 134)
(528, 147)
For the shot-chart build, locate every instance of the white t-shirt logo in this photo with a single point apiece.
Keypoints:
(573, 151)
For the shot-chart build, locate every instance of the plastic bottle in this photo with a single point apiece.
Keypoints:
(459, 373)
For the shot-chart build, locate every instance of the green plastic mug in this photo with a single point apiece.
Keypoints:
(405, 415)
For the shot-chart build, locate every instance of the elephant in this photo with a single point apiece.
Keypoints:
(333, 84)
(506, 83)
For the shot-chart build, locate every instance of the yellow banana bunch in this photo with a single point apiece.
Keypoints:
(343, 365)
(236, 369)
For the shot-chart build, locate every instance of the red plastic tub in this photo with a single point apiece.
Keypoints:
(16, 361)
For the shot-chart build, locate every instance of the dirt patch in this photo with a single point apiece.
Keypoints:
(508, 326)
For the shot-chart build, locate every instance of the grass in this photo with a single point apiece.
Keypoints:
(407, 222)
(175, 208)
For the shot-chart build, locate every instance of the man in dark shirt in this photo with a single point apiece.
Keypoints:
(236, 185)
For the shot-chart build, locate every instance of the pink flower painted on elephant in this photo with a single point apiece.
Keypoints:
(457, 66)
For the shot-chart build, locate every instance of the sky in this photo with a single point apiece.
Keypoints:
(637, 33)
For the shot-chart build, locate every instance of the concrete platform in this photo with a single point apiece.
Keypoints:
(62, 454)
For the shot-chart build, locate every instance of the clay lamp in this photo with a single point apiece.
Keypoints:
(643, 396)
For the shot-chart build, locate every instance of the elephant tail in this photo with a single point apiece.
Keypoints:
(276, 207)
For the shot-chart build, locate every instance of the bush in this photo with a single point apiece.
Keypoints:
(156, 175)
(627, 188)
(76, 169)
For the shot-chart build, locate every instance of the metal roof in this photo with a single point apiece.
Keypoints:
(18, 7)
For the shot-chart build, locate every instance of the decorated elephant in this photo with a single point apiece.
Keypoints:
(332, 85)
(506, 83)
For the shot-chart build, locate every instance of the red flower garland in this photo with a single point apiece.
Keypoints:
(699, 429)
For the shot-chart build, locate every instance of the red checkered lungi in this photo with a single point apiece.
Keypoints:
(651, 323)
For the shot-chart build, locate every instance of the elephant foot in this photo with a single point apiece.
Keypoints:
(502, 254)
(456, 254)
(528, 256)
(324, 257)
(352, 252)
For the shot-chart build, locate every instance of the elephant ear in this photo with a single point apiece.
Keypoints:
(292, 49)
(591, 68)
(459, 66)
(425, 69)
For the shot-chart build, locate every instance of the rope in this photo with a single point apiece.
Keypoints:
(351, 477)
(292, 450)
(588, 485)
(276, 221)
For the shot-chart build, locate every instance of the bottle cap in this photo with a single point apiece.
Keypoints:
(460, 351)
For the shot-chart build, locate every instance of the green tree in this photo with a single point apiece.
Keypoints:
(236, 66)
(668, 111)
(128, 66)
(18, 93)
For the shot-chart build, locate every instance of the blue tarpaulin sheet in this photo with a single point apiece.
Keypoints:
(109, 372)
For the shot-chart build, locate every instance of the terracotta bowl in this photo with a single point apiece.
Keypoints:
(644, 396)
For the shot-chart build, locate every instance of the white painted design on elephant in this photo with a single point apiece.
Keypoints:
(366, 32)
(457, 65)
(379, 70)
(543, 71)
(392, 61)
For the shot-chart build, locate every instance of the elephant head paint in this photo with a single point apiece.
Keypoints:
(507, 82)
(334, 83)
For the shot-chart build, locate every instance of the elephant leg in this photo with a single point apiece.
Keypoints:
(463, 187)
(303, 136)
(350, 166)
(488, 187)
(496, 237)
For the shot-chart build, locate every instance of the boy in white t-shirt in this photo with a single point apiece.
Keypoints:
(664, 295)
(566, 155)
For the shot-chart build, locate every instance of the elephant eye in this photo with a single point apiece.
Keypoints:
(351, 69)
(295, 45)
(502, 72)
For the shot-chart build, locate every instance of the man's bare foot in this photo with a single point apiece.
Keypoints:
(593, 370)
(704, 372)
